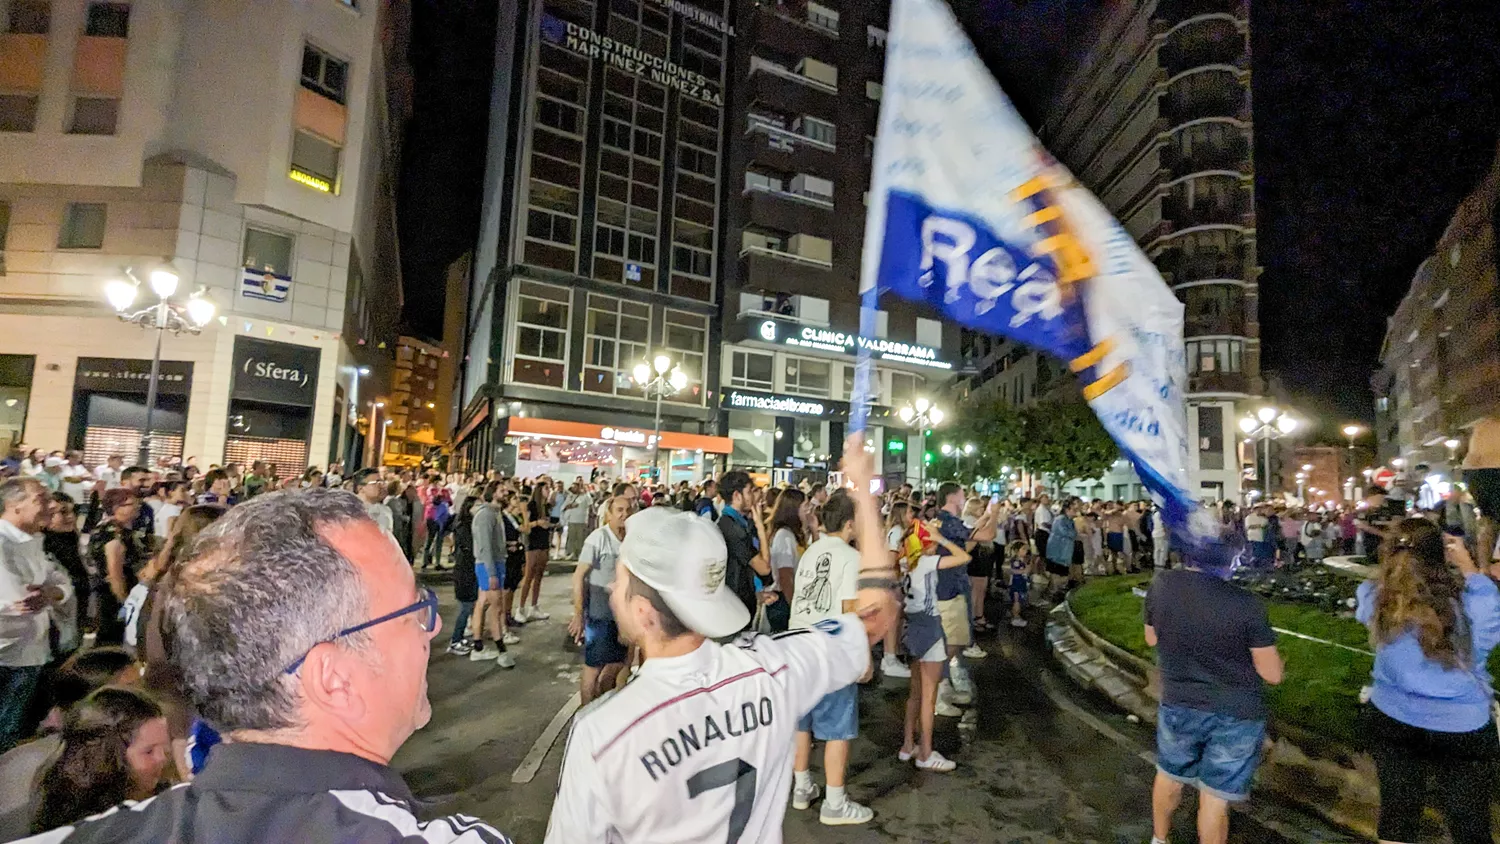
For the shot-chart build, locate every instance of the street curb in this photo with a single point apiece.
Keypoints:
(1090, 666)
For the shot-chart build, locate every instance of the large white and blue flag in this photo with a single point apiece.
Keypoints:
(969, 213)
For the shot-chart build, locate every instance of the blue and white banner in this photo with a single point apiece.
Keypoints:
(969, 213)
(264, 285)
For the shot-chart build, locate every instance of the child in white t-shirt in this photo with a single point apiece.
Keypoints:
(924, 640)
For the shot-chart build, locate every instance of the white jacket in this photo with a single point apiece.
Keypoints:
(23, 636)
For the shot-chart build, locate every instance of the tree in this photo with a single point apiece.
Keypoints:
(1061, 438)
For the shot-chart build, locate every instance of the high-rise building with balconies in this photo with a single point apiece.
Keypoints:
(252, 148)
(804, 111)
(1156, 121)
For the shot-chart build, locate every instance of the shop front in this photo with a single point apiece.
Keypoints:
(272, 393)
(580, 449)
(15, 397)
(109, 408)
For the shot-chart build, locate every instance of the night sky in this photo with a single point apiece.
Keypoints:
(1372, 121)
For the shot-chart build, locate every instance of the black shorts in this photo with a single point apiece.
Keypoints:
(515, 567)
(983, 562)
(539, 539)
(1077, 553)
(1464, 764)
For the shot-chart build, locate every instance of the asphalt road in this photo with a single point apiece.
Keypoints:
(1040, 761)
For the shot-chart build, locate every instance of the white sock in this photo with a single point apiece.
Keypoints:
(803, 780)
(834, 796)
(1155, 840)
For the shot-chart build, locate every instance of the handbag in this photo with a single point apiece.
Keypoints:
(761, 624)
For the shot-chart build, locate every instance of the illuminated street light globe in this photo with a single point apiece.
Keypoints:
(968, 448)
(906, 414)
(662, 363)
(1286, 424)
(1248, 425)
(936, 416)
(200, 310)
(1266, 414)
(642, 373)
(678, 379)
(120, 293)
(947, 449)
(1352, 430)
(164, 282)
(1451, 443)
(922, 405)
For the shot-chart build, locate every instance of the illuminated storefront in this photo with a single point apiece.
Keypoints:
(580, 449)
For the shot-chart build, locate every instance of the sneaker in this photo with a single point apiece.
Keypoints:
(520, 617)
(460, 648)
(507, 661)
(905, 755)
(536, 614)
(512, 621)
(1018, 622)
(936, 762)
(481, 656)
(947, 692)
(510, 638)
(892, 666)
(845, 815)
(944, 709)
(975, 652)
(803, 799)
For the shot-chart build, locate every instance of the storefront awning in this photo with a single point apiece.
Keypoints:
(530, 426)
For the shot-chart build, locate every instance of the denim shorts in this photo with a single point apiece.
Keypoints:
(1216, 753)
(835, 718)
(601, 643)
(923, 638)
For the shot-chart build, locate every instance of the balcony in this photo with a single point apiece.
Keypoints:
(1237, 383)
(1207, 200)
(1207, 146)
(1204, 41)
(786, 30)
(788, 91)
(780, 271)
(1201, 268)
(785, 210)
(1228, 323)
(776, 147)
(1213, 91)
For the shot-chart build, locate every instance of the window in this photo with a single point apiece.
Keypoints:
(686, 259)
(685, 337)
(94, 116)
(697, 161)
(541, 344)
(315, 162)
(616, 134)
(268, 251)
(559, 115)
(108, 20)
(616, 337)
(83, 226)
(1210, 437)
(761, 181)
(324, 74)
(874, 90)
(849, 372)
(903, 389)
(822, 17)
(29, 17)
(818, 130)
(805, 377)
(1205, 356)
(752, 370)
(17, 112)
(553, 228)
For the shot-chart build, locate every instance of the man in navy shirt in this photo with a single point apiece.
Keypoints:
(744, 532)
(953, 590)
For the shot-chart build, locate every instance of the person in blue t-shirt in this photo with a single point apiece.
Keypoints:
(1018, 563)
(1434, 618)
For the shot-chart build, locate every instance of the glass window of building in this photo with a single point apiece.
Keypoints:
(808, 377)
(752, 370)
(903, 389)
(94, 116)
(810, 439)
(83, 226)
(685, 337)
(29, 17)
(108, 20)
(271, 252)
(541, 345)
(877, 378)
(616, 335)
(1215, 356)
(322, 74)
(1210, 437)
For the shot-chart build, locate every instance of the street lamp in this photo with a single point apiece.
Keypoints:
(924, 414)
(1452, 444)
(667, 380)
(165, 315)
(1267, 424)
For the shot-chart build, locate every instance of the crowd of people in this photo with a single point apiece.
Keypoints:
(155, 618)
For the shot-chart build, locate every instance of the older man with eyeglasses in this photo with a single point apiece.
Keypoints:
(302, 635)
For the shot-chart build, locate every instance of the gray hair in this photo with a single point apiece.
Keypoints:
(261, 588)
(15, 489)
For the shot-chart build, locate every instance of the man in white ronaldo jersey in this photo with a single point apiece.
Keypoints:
(698, 747)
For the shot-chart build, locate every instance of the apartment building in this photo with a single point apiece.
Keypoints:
(600, 242)
(250, 149)
(413, 421)
(804, 111)
(1156, 121)
(1440, 360)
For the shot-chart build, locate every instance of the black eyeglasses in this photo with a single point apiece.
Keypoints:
(429, 619)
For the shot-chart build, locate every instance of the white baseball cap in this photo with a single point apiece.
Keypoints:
(53, 462)
(682, 556)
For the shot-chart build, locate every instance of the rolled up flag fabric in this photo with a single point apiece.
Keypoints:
(969, 213)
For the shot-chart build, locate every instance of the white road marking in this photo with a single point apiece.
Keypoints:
(533, 761)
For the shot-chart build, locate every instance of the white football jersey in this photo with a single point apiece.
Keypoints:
(698, 748)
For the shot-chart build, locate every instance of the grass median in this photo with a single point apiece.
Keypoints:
(1321, 690)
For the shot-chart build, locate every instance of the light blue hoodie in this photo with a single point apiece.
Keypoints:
(1419, 691)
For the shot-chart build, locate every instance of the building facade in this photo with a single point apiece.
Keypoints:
(413, 421)
(128, 141)
(799, 150)
(1441, 356)
(1156, 121)
(599, 241)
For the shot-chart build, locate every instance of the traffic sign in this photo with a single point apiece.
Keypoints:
(1383, 477)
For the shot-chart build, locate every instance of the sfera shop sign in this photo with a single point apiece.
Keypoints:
(631, 59)
(275, 373)
(839, 342)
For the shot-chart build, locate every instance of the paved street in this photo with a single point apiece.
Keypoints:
(1035, 768)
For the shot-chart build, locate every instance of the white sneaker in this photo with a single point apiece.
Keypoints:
(803, 799)
(892, 666)
(975, 652)
(845, 815)
(481, 656)
(944, 709)
(936, 762)
(947, 691)
(905, 755)
(536, 614)
(520, 615)
(505, 660)
(1018, 622)
(510, 638)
